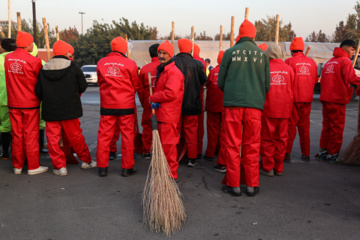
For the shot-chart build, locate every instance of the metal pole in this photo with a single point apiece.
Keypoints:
(82, 29)
(9, 14)
(34, 21)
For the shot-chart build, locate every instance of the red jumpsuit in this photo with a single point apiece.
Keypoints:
(214, 108)
(336, 92)
(305, 78)
(169, 91)
(144, 94)
(277, 111)
(118, 82)
(21, 71)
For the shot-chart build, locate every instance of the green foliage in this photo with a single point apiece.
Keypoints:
(266, 28)
(350, 29)
(317, 37)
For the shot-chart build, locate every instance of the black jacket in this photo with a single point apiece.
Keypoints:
(59, 85)
(195, 77)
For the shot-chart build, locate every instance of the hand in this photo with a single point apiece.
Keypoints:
(155, 106)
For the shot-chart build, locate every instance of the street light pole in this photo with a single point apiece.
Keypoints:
(82, 28)
(34, 20)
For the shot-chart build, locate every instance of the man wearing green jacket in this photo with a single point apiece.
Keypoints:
(244, 77)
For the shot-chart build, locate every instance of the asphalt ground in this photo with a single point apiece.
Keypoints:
(313, 200)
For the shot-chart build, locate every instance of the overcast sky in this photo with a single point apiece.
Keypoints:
(305, 16)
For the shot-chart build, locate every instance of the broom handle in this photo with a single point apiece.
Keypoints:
(277, 29)
(307, 50)
(150, 87)
(356, 54)
(354, 62)
(46, 38)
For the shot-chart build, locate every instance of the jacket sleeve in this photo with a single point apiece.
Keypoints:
(267, 75)
(38, 88)
(80, 78)
(172, 88)
(223, 71)
(134, 78)
(141, 91)
(202, 74)
(209, 80)
(349, 75)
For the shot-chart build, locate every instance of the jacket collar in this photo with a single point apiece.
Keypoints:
(277, 60)
(298, 54)
(243, 39)
(155, 59)
(184, 55)
(116, 53)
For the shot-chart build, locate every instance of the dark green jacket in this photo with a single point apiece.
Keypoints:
(244, 75)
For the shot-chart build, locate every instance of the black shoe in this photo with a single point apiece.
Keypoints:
(220, 168)
(287, 158)
(112, 155)
(191, 162)
(127, 172)
(235, 191)
(103, 171)
(208, 158)
(4, 156)
(199, 156)
(43, 151)
(252, 191)
(305, 158)
(147, 156)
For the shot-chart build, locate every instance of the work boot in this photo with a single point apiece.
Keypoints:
(127, 172)
(235, 191)
(91, 164)
(278, 174)
(60, 172)
(4, 156)
(252, 191)
(220, 168)
(147, 156)
(287, 158)
(112, 155)
(265, 173)
(322, 155)
(38, 170)
(305, 158)
(332, 158)
(191, 162)
(103, 171)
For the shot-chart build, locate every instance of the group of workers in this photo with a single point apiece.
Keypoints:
(255, 103)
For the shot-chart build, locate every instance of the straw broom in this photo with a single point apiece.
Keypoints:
(163, 209)
(351, 154)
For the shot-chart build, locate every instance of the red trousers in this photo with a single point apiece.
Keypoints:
(113, 147)
(300, 118)
(274, 135)
(74, 133)
(169, 137)
(235, 120)
(146, 136)
(222, 157)
(332, 126)
(25, 137)
(106, 132)
(213, 126)
(189, 126)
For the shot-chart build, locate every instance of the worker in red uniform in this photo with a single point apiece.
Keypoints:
(59, 86)
(195, 78)
(214, 108)
(305, 78)
(244, 77)
(21, 71)
(167, 100)
(118, 82)
(277, 111)
(335, 93)
(144, 94)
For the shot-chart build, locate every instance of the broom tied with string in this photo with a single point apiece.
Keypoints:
(163, 209)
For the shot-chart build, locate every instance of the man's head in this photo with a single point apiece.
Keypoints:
(297, 45)
(247, 29)
(207, 61)
(165, 52)
(153, 49)
(24, 40)
(185, 45)
(349, 46)
(8, 44)
(220, 57)
(62, 48)
(274, 52)
(196, 50)
(119, 44)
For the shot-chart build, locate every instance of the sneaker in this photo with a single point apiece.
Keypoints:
(85, 165)
(305, 158)
(5, 156)
(220, 168)
(147, 156)
(333, 158)
(287, 158)
(252, 191)
(60, 172)
(208, 158)
(40, 169)
(321, 156)
(103, 172)
(17, 171)
(277, 173)
(127, 172)
(43, 151)
(112, 155)
(265, 173)
(235, 191)
(191, 162)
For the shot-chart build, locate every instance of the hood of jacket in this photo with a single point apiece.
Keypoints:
(56, 68)
(339, 52)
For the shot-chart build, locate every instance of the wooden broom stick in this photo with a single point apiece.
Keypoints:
(2, 34)
(246, 13)
(173, 34)
(19, 21)
(277, 29)
(356, 54)
(57, 33)
(127, 46)
(46, 38)
(9, 15)
(232, 31)
(307, 50)
(221, 37)
(192, 39)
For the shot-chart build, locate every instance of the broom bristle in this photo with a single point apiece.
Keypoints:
(351, 155)
(163, 209)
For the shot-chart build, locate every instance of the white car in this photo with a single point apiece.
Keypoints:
(90, 73)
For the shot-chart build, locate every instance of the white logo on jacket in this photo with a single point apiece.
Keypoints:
(303, 69)
(278, 78)
(16, 68)
(113, 71)
(330, 69)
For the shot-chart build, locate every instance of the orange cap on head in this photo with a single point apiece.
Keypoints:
(196, 49)
(167, 47)
(72, 50)
(61, 48)
(297, 44)
(119, 44)
(185, 45)
(24, 39)
(247, 29)
(263, 46)
(220, 56)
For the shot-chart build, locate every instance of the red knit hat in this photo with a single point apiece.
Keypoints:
(263, 46)
(220, 56)
(118, 44)
(185, 45)
(167, 47)
(297, 44)
(24, 39)
(247, 29)
(61, 48)
(72, 50)
(196, 49)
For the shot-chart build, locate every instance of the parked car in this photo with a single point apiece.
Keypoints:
(90, 74)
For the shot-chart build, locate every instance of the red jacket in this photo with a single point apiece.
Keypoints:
(169, 91)
(21, 72)
(118, 81)
(305, 76)
(144, 92)
(279, 100)
(214, 96)
(336, 76)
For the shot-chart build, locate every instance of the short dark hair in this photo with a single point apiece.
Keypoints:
(153, 50)
(208, 60)
(296, 51)
(348, 43)
(8, 44)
